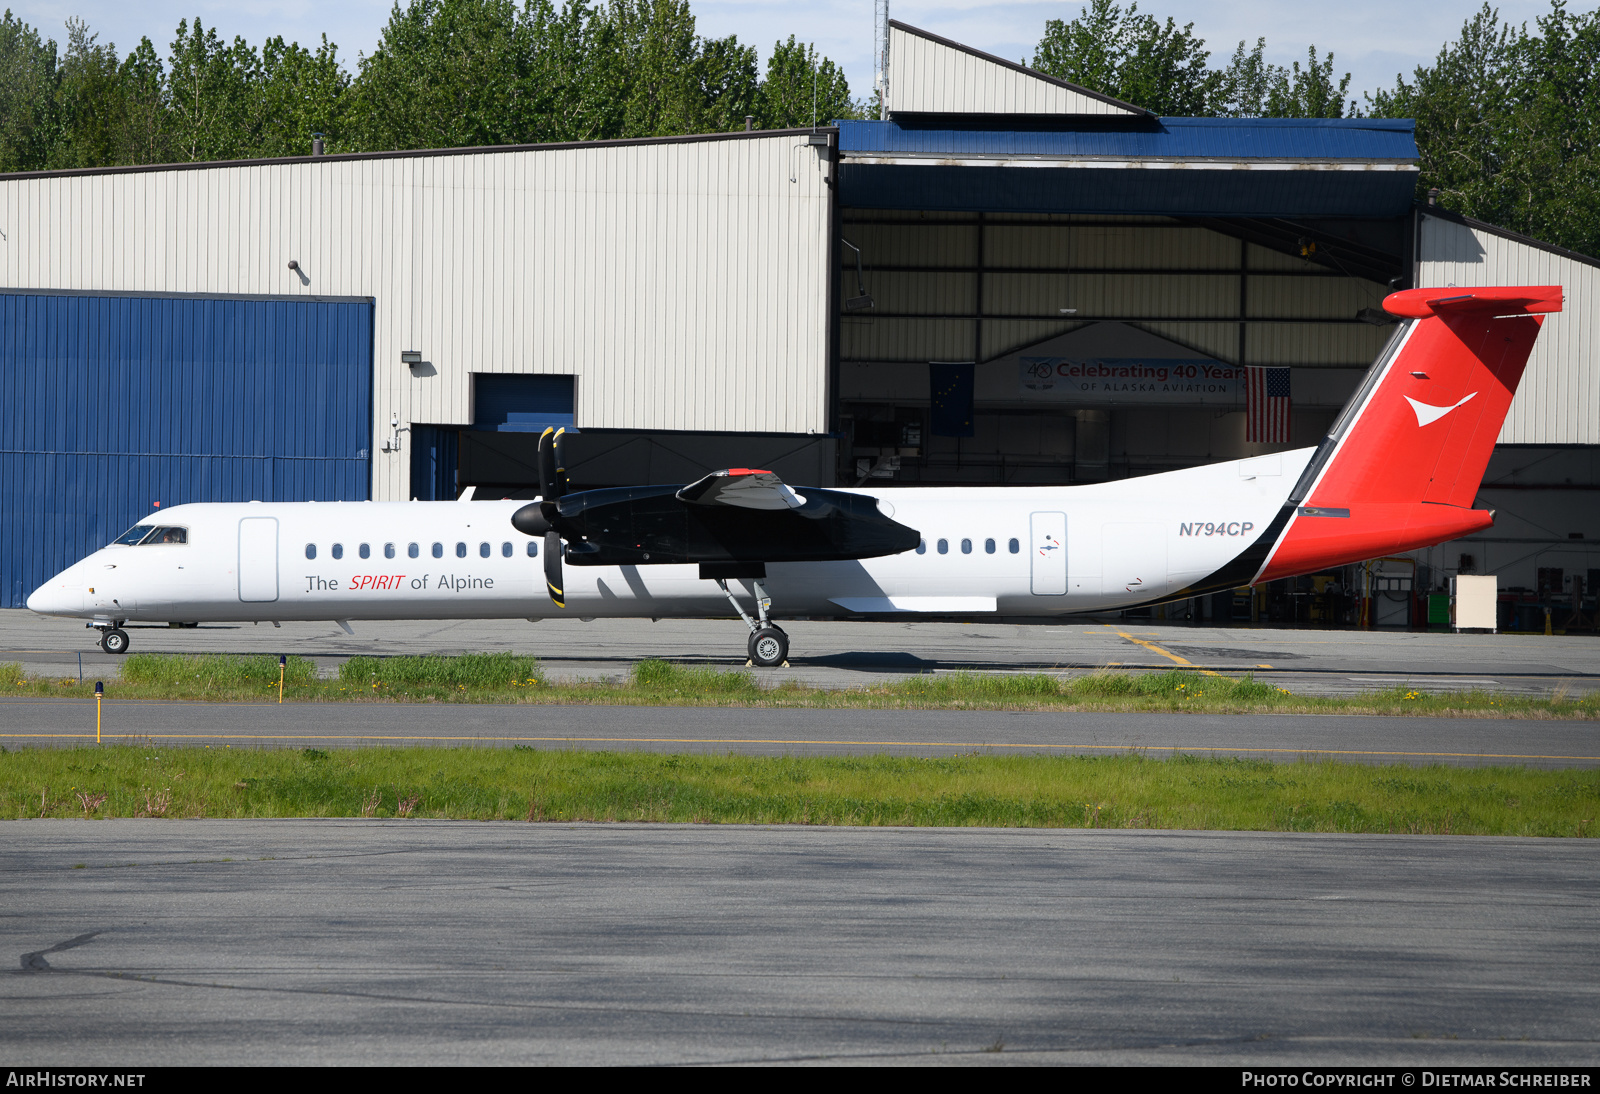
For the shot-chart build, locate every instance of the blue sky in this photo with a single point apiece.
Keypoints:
(1371, 39)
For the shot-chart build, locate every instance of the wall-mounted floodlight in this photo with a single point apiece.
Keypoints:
(861, 301)
(817, 140)
(1068, 311)
(411, 358)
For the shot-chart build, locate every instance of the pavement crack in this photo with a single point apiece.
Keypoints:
(35, 962)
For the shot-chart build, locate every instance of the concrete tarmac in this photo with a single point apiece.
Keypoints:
(415, 942)
(791, 731)
(852, 654)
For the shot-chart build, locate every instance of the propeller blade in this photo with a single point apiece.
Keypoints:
(548, 489)
(559, 445)
(552, 568)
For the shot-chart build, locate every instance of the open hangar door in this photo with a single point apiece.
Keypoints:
(1099, 347)
(122, 403)
(1070, 301)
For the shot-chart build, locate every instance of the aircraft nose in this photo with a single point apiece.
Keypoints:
(56, 597)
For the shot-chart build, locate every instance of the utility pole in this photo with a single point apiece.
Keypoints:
(880, 55)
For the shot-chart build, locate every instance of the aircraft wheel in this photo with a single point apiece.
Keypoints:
(769, 646)
(114, 640)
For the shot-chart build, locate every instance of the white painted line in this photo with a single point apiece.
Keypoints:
(1435, 682)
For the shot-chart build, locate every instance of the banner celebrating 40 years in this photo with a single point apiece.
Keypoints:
(1141, 381)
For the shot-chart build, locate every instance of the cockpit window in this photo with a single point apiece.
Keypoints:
(147, 534)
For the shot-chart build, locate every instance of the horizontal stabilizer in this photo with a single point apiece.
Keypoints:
(743, 487)
(1422, 303)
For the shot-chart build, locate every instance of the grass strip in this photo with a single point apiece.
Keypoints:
(521, 783)
(509, 678)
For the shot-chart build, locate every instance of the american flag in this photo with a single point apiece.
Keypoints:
(1267, 405)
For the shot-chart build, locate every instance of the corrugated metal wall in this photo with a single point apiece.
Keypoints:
(1559, 399)
(1180, 281)
(117, 404)
(683, 282)
(930, 76)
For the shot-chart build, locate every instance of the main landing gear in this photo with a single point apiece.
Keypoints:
(769, 645)
(113, 639)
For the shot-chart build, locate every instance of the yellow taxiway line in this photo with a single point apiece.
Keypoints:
(480, 739)
(1153, 648)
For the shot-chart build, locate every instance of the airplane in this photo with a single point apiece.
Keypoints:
(1399, 470)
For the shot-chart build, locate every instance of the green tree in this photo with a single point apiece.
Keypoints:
(802, 89)
(1309, 92)
(28, 81)
(659, 55)
(299, 93)
(576, 76)
(1132, 57)
(210, 88)
(1508, 124)
(90, 103)
(1167, 70)
(728, 85)
(146, 125)
(445, 73)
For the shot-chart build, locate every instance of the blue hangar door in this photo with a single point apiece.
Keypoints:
(118, 404)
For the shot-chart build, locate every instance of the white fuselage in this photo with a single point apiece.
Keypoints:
(1077, 548)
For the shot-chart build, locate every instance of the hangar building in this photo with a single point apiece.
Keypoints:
(871, 301)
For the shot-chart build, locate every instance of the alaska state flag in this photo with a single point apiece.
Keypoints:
(950, 384)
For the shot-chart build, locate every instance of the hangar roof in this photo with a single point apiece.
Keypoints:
(1285, 167)
(1359, 142)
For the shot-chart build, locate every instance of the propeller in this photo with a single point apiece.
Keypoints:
(543, 517)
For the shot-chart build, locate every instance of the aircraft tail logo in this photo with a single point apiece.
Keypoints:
(1427, 413)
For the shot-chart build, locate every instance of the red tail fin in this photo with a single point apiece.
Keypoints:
(1401, 468)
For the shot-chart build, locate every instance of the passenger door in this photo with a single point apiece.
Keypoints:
(258, 559)
(1047, 544)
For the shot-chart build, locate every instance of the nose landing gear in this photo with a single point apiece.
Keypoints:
(113, 639)
(768, 645)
